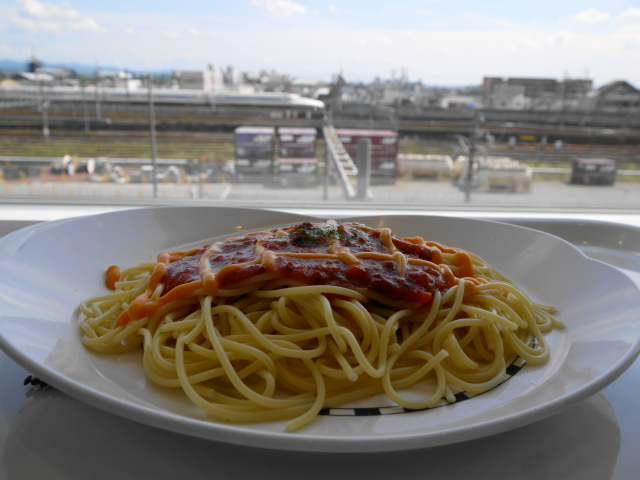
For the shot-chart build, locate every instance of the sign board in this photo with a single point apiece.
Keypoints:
(297, 150)
(384, 151)
(254, 149)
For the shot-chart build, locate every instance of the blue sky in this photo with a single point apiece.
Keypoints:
(441, 42)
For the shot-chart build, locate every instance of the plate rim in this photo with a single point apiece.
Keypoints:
(300, 441)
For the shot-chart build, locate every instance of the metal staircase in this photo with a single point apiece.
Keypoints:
(343, 168)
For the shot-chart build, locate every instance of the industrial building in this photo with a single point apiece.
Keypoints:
(535, 93)
(209, 79)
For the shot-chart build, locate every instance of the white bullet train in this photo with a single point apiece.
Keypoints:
(108, 95)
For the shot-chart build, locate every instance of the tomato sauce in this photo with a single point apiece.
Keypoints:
(112, 276)
(374, 268)
(234, 251)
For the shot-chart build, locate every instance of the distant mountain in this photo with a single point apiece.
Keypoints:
(12, 66)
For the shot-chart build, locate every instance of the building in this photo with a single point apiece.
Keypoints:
(535, 93)
(615, 97)
(533, 87)
(34, 64)
(30, 78)
(121, 79)
(60, 77)
(193, 80)
(232, 76)
(7, 82)
(459, 101)
(275, 81)
(209, 79)
(308, 86)
(505, 96)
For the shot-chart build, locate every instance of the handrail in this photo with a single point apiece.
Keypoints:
(344, 168)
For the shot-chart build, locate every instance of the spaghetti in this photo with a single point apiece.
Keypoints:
(280, 324)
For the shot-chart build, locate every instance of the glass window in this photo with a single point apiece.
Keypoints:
(469, 106)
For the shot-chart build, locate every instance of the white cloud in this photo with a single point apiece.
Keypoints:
(631, 35)
(195, 32)
(5, 49)
(47, 9)
(130, 31)
(632, 14)
(590, 16)
(37, 26)
(87, 24)
(173, 34)
(280, 8)
(66, 18)
(25, 23)
(332, 9)
(308, 51)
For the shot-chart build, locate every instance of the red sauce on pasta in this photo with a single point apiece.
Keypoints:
(380, 276)
(352, 256)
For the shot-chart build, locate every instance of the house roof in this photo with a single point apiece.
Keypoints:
(34, 77)
(603, 90)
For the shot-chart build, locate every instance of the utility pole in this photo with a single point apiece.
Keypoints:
(45, 119)
(126, 85)
(364, 168)
(202, 176)
(327, 160)
(468, 181)
(152, 131)
(97, 98)
(43, 105)
(327, 173)
(625, 126)
(563, 103)
(85, 109)
(38, 91)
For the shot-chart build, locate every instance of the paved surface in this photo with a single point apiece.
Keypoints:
(406, 193)
(444, 194)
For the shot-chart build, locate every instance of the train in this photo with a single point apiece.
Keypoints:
(290, 105)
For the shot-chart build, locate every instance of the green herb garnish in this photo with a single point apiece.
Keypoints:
(308, 234)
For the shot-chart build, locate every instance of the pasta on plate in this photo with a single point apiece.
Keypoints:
(280, 324)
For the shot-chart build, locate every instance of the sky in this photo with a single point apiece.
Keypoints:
(439, 42)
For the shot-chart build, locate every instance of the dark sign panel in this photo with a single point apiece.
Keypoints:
(254, 148)
(384, 151)
(594, 171)
(297, 151)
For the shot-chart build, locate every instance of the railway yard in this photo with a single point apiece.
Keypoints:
(549, 189)
(51, 156)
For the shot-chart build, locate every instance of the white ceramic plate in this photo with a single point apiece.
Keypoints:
(56, 267)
